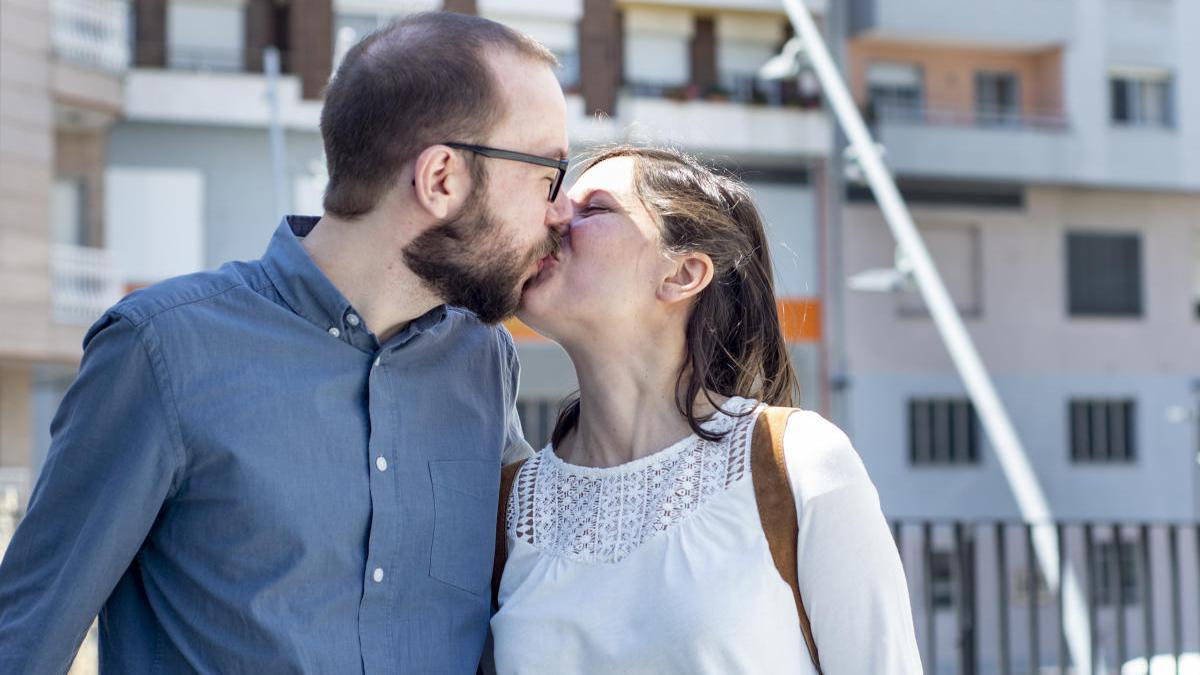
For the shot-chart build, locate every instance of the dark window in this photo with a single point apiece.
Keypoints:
(1104, 574)
(537, 420)
(1103, 430)
(943, 580)
(942, 431)
(1141, 101)
(1104, 274)
(997, 98)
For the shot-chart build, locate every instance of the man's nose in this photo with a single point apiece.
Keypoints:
(558, 216)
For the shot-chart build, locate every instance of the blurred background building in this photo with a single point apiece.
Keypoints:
(1049, 150)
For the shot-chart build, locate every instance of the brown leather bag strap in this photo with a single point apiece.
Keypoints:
(777, 507)
(508, 474)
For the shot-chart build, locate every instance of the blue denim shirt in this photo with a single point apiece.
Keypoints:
(242, 479)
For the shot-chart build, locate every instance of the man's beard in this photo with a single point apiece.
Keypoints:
(465, 262)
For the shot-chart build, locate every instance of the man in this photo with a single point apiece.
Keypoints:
(292, 464)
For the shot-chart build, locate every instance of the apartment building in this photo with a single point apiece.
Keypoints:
(1049, 151)
(61, 66)
(193, 145)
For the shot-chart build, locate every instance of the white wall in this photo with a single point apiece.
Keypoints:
(790, 220)
(657, 45)
(154, 221)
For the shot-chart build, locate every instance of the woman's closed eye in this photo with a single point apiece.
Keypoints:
(592, 209)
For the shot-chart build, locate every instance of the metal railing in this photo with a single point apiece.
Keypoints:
(981, 606)
(747, 90)
(93, 33)
(14, 487)
(1001, 118)
(86, 281)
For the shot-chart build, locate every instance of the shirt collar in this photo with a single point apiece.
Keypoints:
(306, 289)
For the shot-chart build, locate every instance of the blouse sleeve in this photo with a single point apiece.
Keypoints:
(851, 578)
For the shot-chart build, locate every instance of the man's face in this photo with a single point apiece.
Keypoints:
(469, 262)
(482, 257)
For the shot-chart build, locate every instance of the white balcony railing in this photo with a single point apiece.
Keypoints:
(14, 488)
(86, 282)
(93, 33)
(959, 117)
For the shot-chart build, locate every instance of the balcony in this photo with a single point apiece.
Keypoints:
(975, 145)
(722, 123)
(1016, 23)
(91, 48)
(981, 604)
(92, 33)
(85, 282)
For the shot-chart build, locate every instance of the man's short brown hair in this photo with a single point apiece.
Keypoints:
(419, 81)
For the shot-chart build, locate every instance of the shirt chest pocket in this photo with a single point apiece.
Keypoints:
(465, 494)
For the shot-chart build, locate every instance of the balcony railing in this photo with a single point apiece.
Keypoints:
(86, 282)
(93, 33)
(14, 486)
(746, 90)
(981, 606)
(999, 118)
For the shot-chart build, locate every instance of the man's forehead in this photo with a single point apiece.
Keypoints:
(535, 109)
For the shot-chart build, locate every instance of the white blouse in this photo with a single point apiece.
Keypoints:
(661, 566)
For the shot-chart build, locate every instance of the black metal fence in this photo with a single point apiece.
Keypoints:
(981, 605)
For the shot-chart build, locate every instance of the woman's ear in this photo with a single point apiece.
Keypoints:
(691, 274)
(441, 181)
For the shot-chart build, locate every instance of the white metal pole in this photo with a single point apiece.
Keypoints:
(1014, 461)
(275, 132)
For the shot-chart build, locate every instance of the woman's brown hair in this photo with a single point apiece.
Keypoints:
(735, 344)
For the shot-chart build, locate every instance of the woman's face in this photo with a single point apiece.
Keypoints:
(611, 266)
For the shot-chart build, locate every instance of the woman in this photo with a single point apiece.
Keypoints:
(634, 543)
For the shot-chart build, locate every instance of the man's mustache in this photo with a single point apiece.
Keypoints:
(552, 246)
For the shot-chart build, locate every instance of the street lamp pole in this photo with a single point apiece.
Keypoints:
(1014, 461)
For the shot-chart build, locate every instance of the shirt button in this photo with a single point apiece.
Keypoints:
(378, 360)
(333, 330)
(381, 463)
(378, 575)
(352, 319)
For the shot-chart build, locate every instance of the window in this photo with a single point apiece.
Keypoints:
(744, 43)
(1196, 271)
(1141, 98)
(942, 578)
(657, 49)
(942, 432)
(894, 91)
(537, 420)
(137, 202)
(1104, 274)
(956, 250)
(1023, 586)
(1102, 430)
(205, 35)
(67, 211)
(349, 29)
(997, 98)
(1104, 573)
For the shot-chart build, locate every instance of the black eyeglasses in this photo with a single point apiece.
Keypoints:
(560, 164)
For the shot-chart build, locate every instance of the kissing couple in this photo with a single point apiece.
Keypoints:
(312, 462)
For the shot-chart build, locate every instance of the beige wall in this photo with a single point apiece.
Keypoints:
(949, 72)
(1023, 326)
(16, 439)
(80, 154)
(26, 167)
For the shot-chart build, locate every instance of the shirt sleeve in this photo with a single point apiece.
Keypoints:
(516, 448)
(851, 578)
(114, 458)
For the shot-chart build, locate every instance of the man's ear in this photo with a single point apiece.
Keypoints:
(441, 181)
(691, 274)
